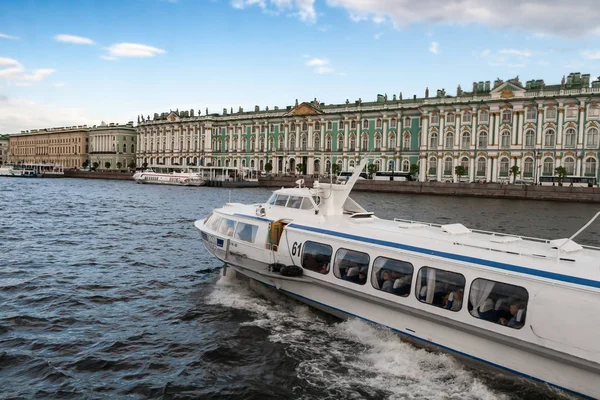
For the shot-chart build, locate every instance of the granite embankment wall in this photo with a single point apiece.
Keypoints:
(491, 190)
(100, 175)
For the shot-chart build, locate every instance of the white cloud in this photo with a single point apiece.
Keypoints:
(434, 48)
(377, 36)
(537, 16)
(317, 62)
(132, 50)
(591, 55)
(59, 84)
(515, 52)
(485, 53)
(38, 75)
(320, 66)
(5, 36)
(303, 9)
(10, 67)
(109, 58)
(19, 114)
(64, 38)
(13, 71)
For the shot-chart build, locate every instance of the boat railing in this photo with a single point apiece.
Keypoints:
(491, 233)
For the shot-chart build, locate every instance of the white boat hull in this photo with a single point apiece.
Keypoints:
(169, 179)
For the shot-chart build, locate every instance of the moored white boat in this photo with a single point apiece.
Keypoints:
(17, 172)
(176, 177)
(521, 305)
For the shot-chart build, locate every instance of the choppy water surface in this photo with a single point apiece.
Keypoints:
(106, 292)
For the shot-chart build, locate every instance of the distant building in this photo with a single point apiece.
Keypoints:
(75, 146)
(112, 143)
(487, 130)
(4, 143)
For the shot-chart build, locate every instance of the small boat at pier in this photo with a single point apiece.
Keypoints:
(32, 170)
(179, 176)
(522, 306)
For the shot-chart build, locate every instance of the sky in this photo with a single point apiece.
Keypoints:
(76, 62)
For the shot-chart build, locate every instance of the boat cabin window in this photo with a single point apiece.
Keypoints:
(245, 232)
(306, 204)
(498, 302)
(214, 222)
(281, 200)
(227, 227)
(294, 202)
(316, 257)
(352, 266)
(440, 288)
(392, 276)
(272, 199)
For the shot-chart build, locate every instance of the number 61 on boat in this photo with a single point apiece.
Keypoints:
(523, 306)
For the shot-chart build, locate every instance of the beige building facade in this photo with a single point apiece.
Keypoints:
(114, 144)
(66, 146)
(4, 144)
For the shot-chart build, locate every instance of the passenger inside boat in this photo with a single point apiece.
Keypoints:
(497, 302)
(392, 276)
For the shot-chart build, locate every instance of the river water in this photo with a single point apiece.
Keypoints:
(106, 292)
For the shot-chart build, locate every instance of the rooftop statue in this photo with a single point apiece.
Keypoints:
(347, 101)
(385, 97)
(459, 90)
(562, 82)
(426, 92)
(394, 98)
(400, 96)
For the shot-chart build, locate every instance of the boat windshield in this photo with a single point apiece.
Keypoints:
(271, 200)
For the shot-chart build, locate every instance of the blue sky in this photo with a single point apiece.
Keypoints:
(83, 61)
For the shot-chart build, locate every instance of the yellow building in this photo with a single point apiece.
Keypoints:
(66, 146)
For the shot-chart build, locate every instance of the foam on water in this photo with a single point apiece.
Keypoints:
(351, 359)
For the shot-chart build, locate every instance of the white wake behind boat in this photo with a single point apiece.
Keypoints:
(522, 305)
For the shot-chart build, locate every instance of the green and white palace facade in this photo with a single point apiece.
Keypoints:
(488, 130)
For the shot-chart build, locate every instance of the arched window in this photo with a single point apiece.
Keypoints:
(507, 116)
(569, 165)
(317, 126)
(548, 166)
(303, 142)
(433, 140)
(528, 167)
(351, 164)
(590, 167)
(482, 140)
(340, 142)
(316, 142)
(449, 140)
(252, 143)
(377, 141)
(529, 138)
(466, 140)
(271, 143)
(407, 122)
(329, 125)
(570, 137)
(341, 125)
(353, 124)
(280, 142)
(464, 162)
(226, 144)
(592, 137)
(366, 124)
(328, 143)
(261, 165)
(391, 141)
(244, 163)
(406, 141)
(133, 148)
(340, 164)
(481, 166)
(504, 166)
(124, 148)
(304, 126)
(448, 166)
(252, 164)
(293, 126)
(365, 142)
(432, 166)
(505, 139)
(292, 144)
(549, 138)
(405, 166)
(352, 142)
(393, 123)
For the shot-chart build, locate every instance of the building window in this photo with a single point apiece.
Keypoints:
(366, 124)
(432, 168)
(378, 124)
(316, 142)
(593, 112)
(365, 143)
(481, 166)
(484, 117)
(466, 117)
(531, 114)
(352, 124)
(464, 162)
(328, 143)
(303, 142)
(549, 138)
(505, 139)
(504, 165)
(571, 113)
(448, 166)
(450, 118)
(498, 302)
(550, 113)
(280, 127)
(449, 143)
(548, 166)
(435, 119)
(570, 137)
(392, 276)
(292, 144)
(316, 257)
(124, 148)
(440, 288)
(393, 123)
(340, 142)
(391, 141)
(406, 142)
(592, 137)
(529, 138)
(329, 125)
(351, 265)
(272, 128)
(407, 122)
(507, 116)
(405, 165)
(570, 165)
(317, 126)
(304, 126)
(377, 142)
(341, 125)
(528, 167)
(466, 140)
(482, 140)
(352, 143)
(293, 126)
(433, 141)
(590, 167)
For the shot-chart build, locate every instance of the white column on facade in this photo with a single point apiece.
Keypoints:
(521, 121)
(515, 123)
(310, 136)
(424, 131)
(384, 144)
(346, 135)
(559, 128)
(455, 163)
(538, 139)
(208, 138)
(440, 166)
(286, 131)
(577, 165)
(495, 139)
(442, 124)
(298, 126)
(580, 134)
(474, 122)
